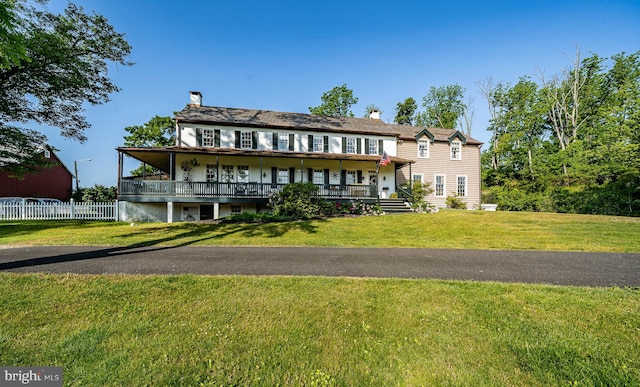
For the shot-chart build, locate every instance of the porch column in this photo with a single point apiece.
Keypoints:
(169, 212)
(302, 170)
(260, 174)
(120, 161)
(216, 211)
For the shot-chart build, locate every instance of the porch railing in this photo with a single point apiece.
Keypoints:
(172, 188)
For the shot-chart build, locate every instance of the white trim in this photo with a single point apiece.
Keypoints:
(466, 186)
(426, 140)
(459, 146)
(444, 185)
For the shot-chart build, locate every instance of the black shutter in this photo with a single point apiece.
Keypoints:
(344, 145)
(380, 148)
(292, 175)
(216, 138)
(366, 146)
(254, 140)
(359, 146)
(325, 141)
(326, 178)
(343, 177)
(359, 177)
(275, 141)
(310, 175)
(291, 142)
(238, 139)
(310, 146)
(198, 136)
(274, 177)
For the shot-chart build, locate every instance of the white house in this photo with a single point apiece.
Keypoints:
(229, 160)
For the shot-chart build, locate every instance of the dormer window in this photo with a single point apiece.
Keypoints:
(455, 148)
(423, 148)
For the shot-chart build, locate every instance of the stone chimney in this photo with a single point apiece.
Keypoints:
(195, 99)
(374, 115)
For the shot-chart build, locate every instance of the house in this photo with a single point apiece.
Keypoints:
(229, 160)
(54, 182)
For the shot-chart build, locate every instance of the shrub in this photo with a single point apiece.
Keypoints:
(298, 201)
(456, 203)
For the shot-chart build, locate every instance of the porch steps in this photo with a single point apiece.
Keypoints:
(394, 206)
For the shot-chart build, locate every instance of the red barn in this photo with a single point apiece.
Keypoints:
(55, 182)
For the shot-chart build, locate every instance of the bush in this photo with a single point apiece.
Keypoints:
(252, 217)
(297, 201)
(455, 203)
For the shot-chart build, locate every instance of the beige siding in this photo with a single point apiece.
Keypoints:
(440, 163)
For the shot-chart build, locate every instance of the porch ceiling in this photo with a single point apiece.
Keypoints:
(159, 157)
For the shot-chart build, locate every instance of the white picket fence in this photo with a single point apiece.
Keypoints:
(59, 211)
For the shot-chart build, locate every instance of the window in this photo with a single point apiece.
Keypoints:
(417, 178)
(236, 209)
(243, 174)
(47, 154)
(439, 186)
(208, 137)
(227, 173)
(373, 147)
(283, 176)
(351, 177)
(318, 176)
(423, 148)
(283, 141)
(351, 145)
(318, 144)
(246, 140)
(211, 173)
(461, 186)
(455, 150)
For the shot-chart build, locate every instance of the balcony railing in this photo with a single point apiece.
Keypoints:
(184, 189)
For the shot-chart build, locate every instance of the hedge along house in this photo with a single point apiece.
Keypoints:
(227, 161)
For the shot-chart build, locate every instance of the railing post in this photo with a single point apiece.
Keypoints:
(72, 209)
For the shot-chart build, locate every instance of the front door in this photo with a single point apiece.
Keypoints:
(206, 211)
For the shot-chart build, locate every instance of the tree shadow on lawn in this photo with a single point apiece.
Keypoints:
(196, 234)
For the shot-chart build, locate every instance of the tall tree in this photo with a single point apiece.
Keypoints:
(336, 102)
(157, 132)
(405, 112)
(371, 108)
(50, 65)
(443, 107)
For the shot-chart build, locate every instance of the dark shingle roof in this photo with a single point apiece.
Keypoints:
(214, 115)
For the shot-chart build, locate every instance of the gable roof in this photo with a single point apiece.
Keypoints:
(214, 115)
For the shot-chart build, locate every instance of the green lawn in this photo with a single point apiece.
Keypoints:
(446, 229)
(200, 330)
(232, 330)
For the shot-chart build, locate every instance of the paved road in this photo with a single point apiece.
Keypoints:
(583, 269)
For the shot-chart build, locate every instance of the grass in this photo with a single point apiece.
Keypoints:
(446, 229)
(190, 330)
(230, 330)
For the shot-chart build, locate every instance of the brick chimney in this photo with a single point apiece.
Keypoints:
(195, 99)
(374, 115)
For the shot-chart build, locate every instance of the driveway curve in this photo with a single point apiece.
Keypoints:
(559, 268)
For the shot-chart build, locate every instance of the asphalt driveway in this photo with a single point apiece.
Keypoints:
(562, 268)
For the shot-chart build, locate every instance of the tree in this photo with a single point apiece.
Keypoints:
(50, 65)
(158, 131)
(443, 107)
(336, 102)
(371, 108)
(98, 193)
(405, 112)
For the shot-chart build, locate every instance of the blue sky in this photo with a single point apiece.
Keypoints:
(282, 55)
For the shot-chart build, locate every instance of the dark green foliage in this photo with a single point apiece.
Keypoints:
(569, 144)
(336, 102)
(405, 112)
(98, 193)
(50, 66)
(298, 201)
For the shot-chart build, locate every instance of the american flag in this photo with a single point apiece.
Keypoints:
(385, 160)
